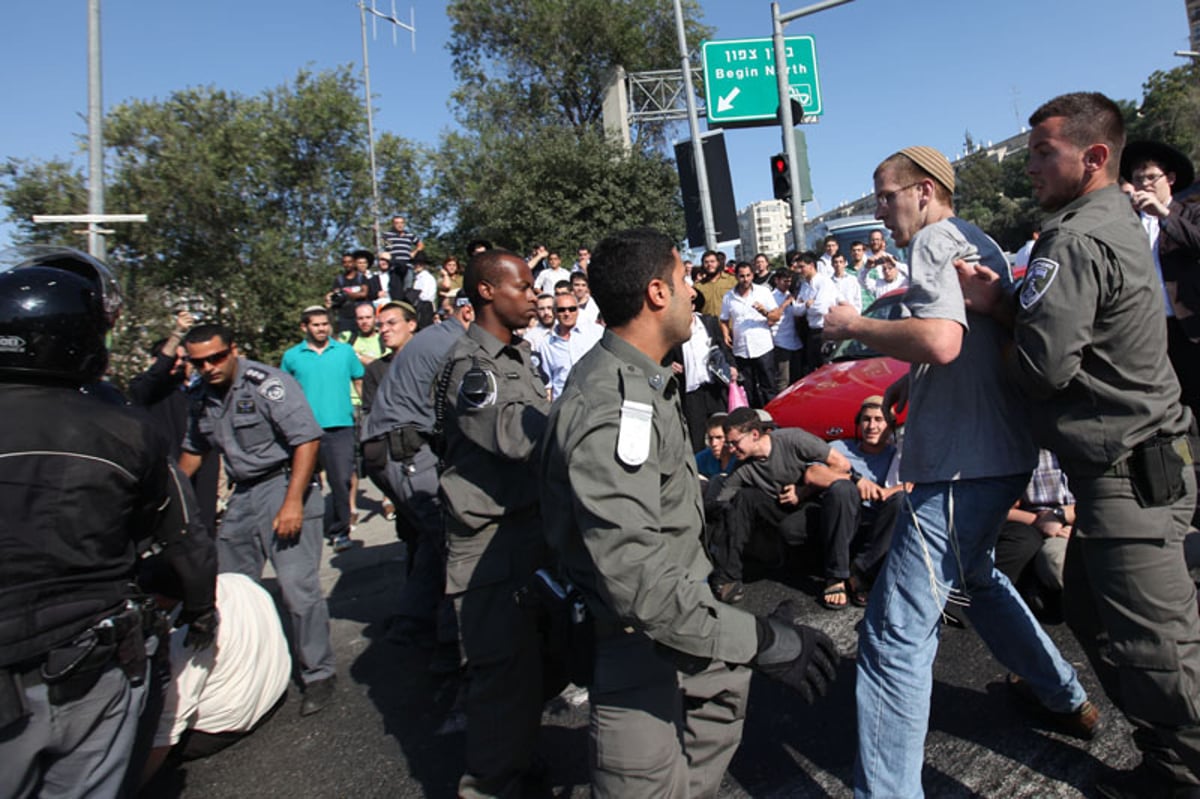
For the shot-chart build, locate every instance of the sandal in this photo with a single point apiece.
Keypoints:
(835, 590)
(858, 594)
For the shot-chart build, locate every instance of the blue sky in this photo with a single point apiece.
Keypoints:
(893, 72)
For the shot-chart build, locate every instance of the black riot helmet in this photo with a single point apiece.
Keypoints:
(57, 305)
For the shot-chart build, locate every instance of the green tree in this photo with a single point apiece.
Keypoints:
(998, 197)
(555, 187)
(533, 63)
(43, 187)
(250, 199)
(1170, 109)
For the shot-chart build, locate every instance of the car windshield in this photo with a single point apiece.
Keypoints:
(889, 308)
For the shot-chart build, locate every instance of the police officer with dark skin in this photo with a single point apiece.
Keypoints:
(87, 484)
(258, 419)
(495, 412)
(1109, 408)
(622, 508)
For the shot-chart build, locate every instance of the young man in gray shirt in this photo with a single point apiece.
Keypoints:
(968, 450)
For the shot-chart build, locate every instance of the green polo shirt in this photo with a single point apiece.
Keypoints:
(325, 377)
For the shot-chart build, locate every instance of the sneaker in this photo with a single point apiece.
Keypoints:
(389, 512)
(729, 593)
(1082, 723)
(343, 542)
(317, 695)
(1143, 782)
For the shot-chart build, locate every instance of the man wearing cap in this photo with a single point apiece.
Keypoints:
(1158, 171)
(1108, 406)
(968, 451)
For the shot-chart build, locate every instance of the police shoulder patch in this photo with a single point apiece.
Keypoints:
(273, 390)
(1038, 277)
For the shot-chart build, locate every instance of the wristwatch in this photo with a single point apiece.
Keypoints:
(1060, 514)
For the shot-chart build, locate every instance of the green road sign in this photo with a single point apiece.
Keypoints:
(739, 79)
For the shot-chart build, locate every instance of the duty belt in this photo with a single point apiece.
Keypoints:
(250, 482)
(1179, 444)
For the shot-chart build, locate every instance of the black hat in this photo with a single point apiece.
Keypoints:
(1166, 156)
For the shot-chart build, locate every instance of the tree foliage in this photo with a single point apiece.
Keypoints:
(533, 63)
(250, 199)
(997, 197)
(557, 188)
(1170, 110)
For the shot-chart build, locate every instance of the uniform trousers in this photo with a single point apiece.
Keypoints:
(80, 748)
(245, 541)
(503, 702)
(942, 544)
(337, 461)
(1132, 604)
(657, 732)
(412, 485)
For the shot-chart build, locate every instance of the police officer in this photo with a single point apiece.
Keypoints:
(495, 411)
(621, 501)
(258, 419)
(398, 458)
(1109, 409)
(86, 484)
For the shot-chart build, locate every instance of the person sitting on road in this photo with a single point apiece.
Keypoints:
(217, 696)
(859, 507)
(715, 459)
(1032, 546)
(764, 494)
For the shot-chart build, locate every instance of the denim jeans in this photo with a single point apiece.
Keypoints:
(941, 548)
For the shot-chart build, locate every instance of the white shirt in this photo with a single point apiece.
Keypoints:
(824, 295)
(695, 355)
(544, 284)
(849, 291)
(232, 684)
(1150, 225)
(589, 312)
(426, 284)
(536, 335)
(784, 331)
(560, 354)
(749, 329)
(880, 287)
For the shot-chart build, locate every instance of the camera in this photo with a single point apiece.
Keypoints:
(338, 297)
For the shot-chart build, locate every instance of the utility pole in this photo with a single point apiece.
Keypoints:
(785, 107)
(96, 246)
(706, 212)
(411, 27)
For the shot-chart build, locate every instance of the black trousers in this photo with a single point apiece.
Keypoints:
(752, 523)
(847, 525)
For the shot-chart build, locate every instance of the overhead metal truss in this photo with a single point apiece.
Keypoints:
(658, 95)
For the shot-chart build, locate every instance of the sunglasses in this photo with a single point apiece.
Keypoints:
(215, 359)
(567, 309)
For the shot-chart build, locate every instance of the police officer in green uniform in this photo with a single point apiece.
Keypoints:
(494, 413)
(1091, 352)
(622, 508)
(258, 419)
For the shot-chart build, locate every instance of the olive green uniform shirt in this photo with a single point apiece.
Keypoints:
(1091, 346)
(495, 414)
(622, 509)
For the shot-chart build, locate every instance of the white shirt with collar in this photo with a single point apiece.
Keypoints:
(749, 329)
(824, 295)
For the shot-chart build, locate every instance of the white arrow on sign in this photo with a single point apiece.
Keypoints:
(726, 103)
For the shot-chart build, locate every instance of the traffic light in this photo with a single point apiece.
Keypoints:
(781, 177)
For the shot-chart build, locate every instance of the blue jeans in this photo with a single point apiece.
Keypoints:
(946, 534)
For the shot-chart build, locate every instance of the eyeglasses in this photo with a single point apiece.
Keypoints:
(567, 309)
(216, 359)
(887, 198)
(1147, 180)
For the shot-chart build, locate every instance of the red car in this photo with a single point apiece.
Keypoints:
(826, 401)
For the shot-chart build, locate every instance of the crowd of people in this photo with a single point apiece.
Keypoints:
(535, 426)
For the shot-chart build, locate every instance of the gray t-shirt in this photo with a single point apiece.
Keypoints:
(792, 451)
(966, 420)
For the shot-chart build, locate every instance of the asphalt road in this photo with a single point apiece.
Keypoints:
(389, 731)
